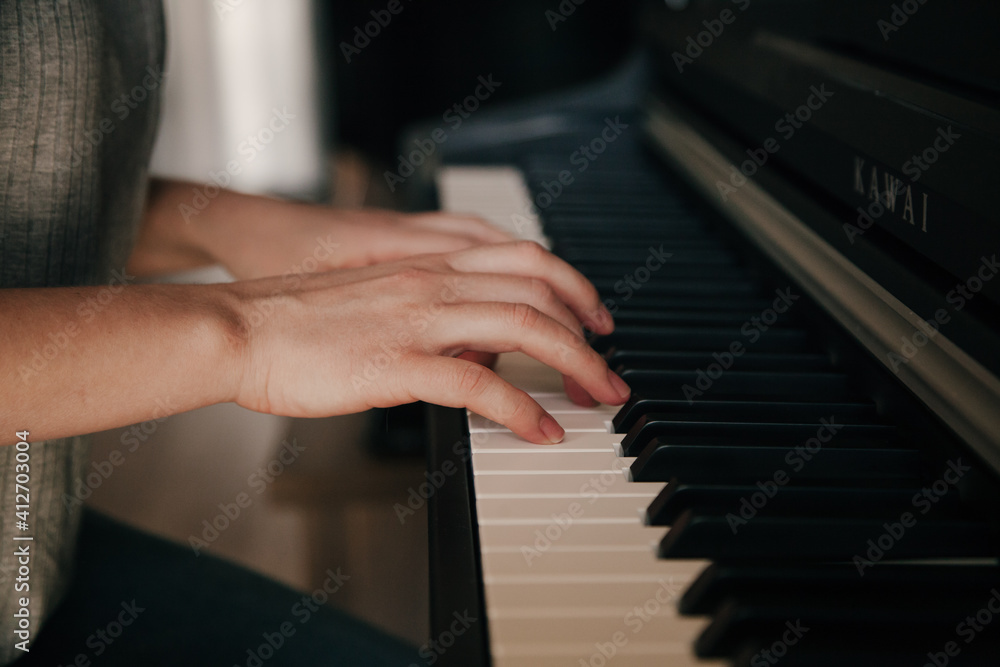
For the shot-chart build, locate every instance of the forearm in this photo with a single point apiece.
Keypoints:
(84, 359)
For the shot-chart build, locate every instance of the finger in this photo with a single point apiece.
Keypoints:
(576, 393)
(465, 225)
(407, 241)
(526, 258)
(487, 359)
(462, 384)
(535, 292)
(505, 327)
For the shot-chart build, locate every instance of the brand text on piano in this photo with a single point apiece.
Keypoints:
(885, 192)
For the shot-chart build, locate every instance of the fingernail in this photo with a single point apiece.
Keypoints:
(619, 385)
(606, 317)
(603, 320)
(600, 320)
(552, 430)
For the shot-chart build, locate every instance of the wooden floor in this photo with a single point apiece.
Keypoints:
(328, 506)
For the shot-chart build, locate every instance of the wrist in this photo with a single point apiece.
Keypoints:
(168, 241)
(226, 329)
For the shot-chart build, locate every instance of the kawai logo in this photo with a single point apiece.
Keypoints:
(890, 194)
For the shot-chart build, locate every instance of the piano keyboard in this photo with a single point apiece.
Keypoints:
(568, 565)
(733, 398)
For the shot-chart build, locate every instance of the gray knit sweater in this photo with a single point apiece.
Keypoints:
(79, 100)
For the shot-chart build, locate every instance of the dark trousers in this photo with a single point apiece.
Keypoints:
(138, 600)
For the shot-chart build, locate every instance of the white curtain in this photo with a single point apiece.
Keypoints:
(241, 96)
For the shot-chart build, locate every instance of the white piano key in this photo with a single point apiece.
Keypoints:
(559, 594)
(660, 623)
(560, 656)
(565, 555)
(575, 533)
(599, 507)
(559, 561)
(576, 441)
(557, 404)
(584, 483)
(486, 462)
(571, 422)
(528, 374)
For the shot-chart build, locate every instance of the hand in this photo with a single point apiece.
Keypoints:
(388, 334)
(313, 239)
(255, 237)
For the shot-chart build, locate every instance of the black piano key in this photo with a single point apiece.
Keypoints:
(650, 228)
(642, 301)
(709, 339)
(617, 209)
(720, 581)
(910, 624)
(623, 271)
(605, 225)
(768, 497)
(628, 317)
(672, 257)
(831, 431)
(735, 464)
(836, 652)
(610, 288)
(638, 405)
(652, 360)
(623, 234)
(717, 535)
(731, 411)
(762, 385)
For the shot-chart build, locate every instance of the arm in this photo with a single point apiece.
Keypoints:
(79, 360)
(309, 346)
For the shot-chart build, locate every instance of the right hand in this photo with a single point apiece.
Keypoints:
(388, 334)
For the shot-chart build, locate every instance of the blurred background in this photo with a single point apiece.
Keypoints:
(345, 98)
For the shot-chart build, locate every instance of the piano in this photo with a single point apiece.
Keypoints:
(793, 221)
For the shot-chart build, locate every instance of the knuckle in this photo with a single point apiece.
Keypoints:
(517, 411)
(542, 291)
(523, 316)
(474, 380)
(416, 276)
(531, 249)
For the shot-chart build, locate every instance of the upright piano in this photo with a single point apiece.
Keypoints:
(794, 222)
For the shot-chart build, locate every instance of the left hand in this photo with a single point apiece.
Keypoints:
(257, 237)
(312, 239)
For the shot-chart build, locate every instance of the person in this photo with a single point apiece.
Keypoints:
(85, 348)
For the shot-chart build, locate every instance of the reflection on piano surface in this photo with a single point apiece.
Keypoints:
(806, 473)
